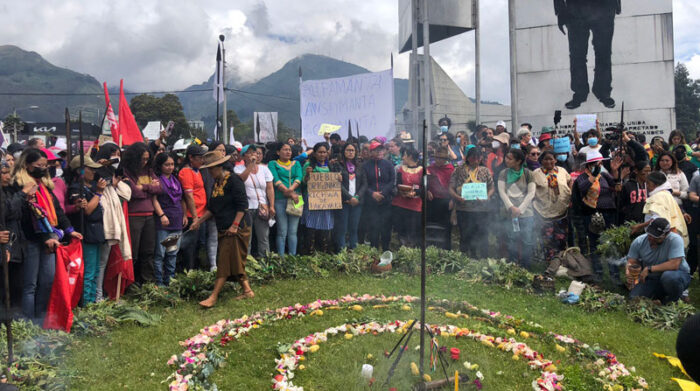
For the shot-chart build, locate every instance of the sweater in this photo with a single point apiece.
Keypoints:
(519, 193)
(662, 204)
(549, 203)
(141, 203)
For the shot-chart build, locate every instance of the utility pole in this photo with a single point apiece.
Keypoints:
(225, 135)
(513, 67)
(477, 62)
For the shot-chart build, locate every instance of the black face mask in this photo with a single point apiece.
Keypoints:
(52, 171)
(38, 173)
(596, 170)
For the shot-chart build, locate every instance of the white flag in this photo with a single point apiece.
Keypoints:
(231, 138)
(218, 92)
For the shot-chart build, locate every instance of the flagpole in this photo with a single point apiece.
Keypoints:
(69, 155)
(6, 282)
(301, 131)
(216, 83)
(82, 169)
(224, 128)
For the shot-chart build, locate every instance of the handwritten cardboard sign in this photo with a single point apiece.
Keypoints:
(474, 191)
(324, 191)
(585, 122)
(328, 128)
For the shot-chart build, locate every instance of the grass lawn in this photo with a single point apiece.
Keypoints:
(133, 357)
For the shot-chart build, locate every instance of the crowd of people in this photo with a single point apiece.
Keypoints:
(164, 205)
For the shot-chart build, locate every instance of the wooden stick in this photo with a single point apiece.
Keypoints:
(119, 286)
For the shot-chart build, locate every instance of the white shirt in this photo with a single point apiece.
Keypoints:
(351, 186)
(256, 185)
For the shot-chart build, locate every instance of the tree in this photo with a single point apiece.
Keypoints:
(241, 131)
(10, 122)
(167, 108)
(687, 102)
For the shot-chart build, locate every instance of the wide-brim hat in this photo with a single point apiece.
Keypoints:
(87, 162)
(406, 137)
(213, 159)
(503, 138)
(594, 156)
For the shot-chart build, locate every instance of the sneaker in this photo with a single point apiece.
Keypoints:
(685, 296)
(213, 269)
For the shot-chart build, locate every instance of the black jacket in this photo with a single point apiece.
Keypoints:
(14, 202)
(93, 225)
(27, 219)
(380, 177)
(360, 181)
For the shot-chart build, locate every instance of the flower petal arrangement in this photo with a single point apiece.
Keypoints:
(202, 357)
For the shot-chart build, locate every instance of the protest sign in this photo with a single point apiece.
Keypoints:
(324, 191)
(474, 191)
(562, 145)
(365, 100)
(328, 128)
(585, 122)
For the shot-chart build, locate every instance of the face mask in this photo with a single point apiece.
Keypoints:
(515, 146)
(116, 165)
(593, 141)
(596, 171)
(496, 144)
(38, 173)
(59, 172)
(52, 172)
(561, 158)
(459, 140)
(443, 129)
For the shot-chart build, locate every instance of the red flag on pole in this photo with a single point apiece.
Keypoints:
(118, 266)
(128, 129)
(67, 286)
(110, 118)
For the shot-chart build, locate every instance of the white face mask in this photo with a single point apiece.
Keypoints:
(495, 144)
(59, 172)
(116, 165)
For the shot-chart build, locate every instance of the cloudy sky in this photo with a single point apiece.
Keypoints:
(170, 44)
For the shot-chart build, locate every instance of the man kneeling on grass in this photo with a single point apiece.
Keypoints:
(659, 253)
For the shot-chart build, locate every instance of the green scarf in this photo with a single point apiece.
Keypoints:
(514, 176)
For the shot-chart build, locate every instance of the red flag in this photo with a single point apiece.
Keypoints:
(117, 265)
(110, 118)
(128, 129)
(67, 286)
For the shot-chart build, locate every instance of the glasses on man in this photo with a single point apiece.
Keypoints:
(443, 139)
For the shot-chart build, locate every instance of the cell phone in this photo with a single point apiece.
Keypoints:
(113, 161)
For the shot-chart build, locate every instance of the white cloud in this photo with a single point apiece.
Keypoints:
(162, 44)
(694, 66)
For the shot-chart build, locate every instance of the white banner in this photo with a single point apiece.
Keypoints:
(366, 100)
(265, 126)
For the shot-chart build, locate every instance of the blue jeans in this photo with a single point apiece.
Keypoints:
(347, 220)
(667, 288)
(91, 259)
(164, 263)
(38, 271)
(286, 228)
(520, 240)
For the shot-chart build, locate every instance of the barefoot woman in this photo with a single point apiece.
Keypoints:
(228, 204)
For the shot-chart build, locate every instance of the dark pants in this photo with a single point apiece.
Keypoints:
(379, 224)
(188, 247)
(316, 240)
(693, 231)
(407, 224)
(143, 247)
(473, 233)
(668, 287)
(580, 28)
(38, 271)
(593, 238)
(521, 240)
(347, 221)
(439, 213)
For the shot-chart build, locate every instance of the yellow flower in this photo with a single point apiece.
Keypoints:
(348, 336)
(379, 306)
(524, 334)
(511, 331)
(369, 356)
(560, 348)
(414, 369)
(316, 312)
(356, 307)
(314, 348)
(515, 357)
(427, 377)
(451, 315)
(406, 307)
(302, 367)
(551, 368)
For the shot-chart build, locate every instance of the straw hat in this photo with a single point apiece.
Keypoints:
(213, 159)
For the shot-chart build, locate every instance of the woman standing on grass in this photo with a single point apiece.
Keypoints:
(353, 186)
(319, 223)
(516, 187)
(408, 203)
(287, 176)
(552, 198)
(170, 217)
(229, 207)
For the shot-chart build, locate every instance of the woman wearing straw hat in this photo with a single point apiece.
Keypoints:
(229, 206)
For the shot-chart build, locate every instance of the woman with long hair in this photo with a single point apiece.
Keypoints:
(668, 164)
(552, 199)
(170, 209)
(261, 196)
(318, 223)
(228, 205)
(84, 194)
(516, 187)
(44, 225)
(353, 187)
(137, 162)
(408, 203)
(287, 176)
